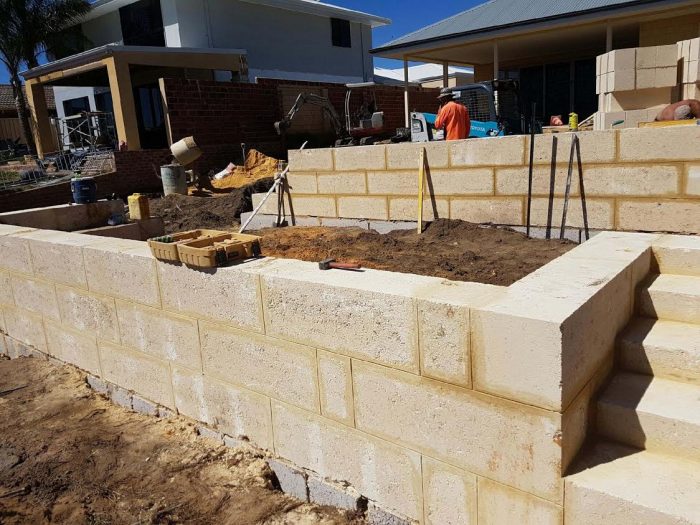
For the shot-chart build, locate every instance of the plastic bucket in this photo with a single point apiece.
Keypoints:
(174, 179)
(84, 190)
(186, 151)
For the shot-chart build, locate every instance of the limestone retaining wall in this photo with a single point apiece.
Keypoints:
(635, 180)
(441, 401)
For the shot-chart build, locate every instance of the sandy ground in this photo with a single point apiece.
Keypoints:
(69, 456)
(450, 249)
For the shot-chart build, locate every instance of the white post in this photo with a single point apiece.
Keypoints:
(445, 74)
(405, 92)
(495, 59)
(608, 38)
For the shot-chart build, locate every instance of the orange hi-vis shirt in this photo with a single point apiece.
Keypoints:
(454, 118)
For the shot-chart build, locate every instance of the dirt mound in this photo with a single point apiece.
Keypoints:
(257, 166)
(189, 212)
(450, 249)
(69, 456)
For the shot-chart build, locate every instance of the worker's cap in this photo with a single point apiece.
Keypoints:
(446, 93)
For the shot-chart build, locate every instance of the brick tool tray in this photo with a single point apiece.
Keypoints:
(217, 250)
(164, 248)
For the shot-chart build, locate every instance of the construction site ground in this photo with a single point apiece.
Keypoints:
(67, 455)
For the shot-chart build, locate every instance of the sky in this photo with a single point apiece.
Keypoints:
(406, 16)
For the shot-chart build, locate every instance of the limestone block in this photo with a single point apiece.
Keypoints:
(623, 80)
(276, 368)
(693, 72)
(342, 183)
(16, 256)
(360, 158)
(88, 312)
(481, 210)
(677, 254)
(363, 207)
(598, 84)
(449, 494)
(407, 156)
(25, 327)
(73, 346)
(514, 181)
(335, 382)
(605, 63)
(154, 332)
(646, 57)
(694, 49)
(6, 297)
(309, 205)
(600, 213)
(622, 60)
(234, 411)
(310, 160)
(500, 504)
(58, 256)
(610, 81)
(227, 294)
(671, 297)
(666, 76)
(646, 79)
(291, 479)
(610, 118)
(406, 209)
(369, 315)
(641, 180)
(666, 56)
(671, 143)
(270, 205)
(392, 182)
(596, 147)
(661, 215)
(138, 372)
(124, 269)
(381, 471)
(477, 181)
(506, 441)
(492, 151)
(302, 183)
(36, 296)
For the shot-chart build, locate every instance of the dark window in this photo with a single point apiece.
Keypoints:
(151, 120)
(76, 105)
(142, 24)
(340, 32)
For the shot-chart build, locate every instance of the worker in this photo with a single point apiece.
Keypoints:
(453, 117)
(683, 110)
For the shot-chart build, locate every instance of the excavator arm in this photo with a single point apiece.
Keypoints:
(314, 100)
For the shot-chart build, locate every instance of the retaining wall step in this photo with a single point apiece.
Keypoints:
(678, 254)
(653, 414)
(666, 349)
(671, 297)
(617, 485)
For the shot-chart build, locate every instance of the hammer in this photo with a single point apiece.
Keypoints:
(329, 264)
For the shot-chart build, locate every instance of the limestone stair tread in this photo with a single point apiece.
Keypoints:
(612, 484)
(671, 297)
(678, 254)
(652, 413)
(666, 349)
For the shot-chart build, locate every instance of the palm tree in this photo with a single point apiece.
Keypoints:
(29, 28)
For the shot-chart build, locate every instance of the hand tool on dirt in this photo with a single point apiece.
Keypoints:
(575, 148)
(532, 160)
(421, 185)
(279, 179)
(331, 264)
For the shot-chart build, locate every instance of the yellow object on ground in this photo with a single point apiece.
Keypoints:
(138, 207)
(257, 166)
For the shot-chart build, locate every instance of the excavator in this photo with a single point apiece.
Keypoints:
(371, 121)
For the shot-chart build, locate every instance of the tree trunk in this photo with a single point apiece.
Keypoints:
(22, 112)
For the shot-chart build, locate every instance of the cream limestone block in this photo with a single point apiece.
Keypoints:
(270, 205)
(314, 206)
(335, 381)
(665, 76)
(622, 60)
(494, 437)
(88, 312)
(380, 471)
(301, 183)
(36, 296)
(623, 80)
(596, 147)
(692, 186)
(58, 256)
(229, 295)
(502, 210)
(144, 375)
(616, 485)
(276, 368)
(6, 297)
(406, 209)
(154, 332)
(449, 494)
(677, 254)
(310, 160)
(407, 156)
(670, 215)
(25, 327)
(14, 248)
(624, 180)
(600, 213)
(237, 412)
(671, 297)
(363, 208)
(370, 315)
(672, 143)
(123, 269)
(646, 79)
(492, 151)
(393, 182)
(360, 158)
(646, 57)
(666, 56)
(73, 346)
(465, 181)
(499, 505)
(514, 181)
(342, 183)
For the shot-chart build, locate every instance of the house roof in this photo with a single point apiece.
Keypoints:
(7, 99)
(497, 14)
(312, 7)
(421, 72)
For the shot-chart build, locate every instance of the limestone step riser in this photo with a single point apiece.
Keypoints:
(678, 255)
(671, 298)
